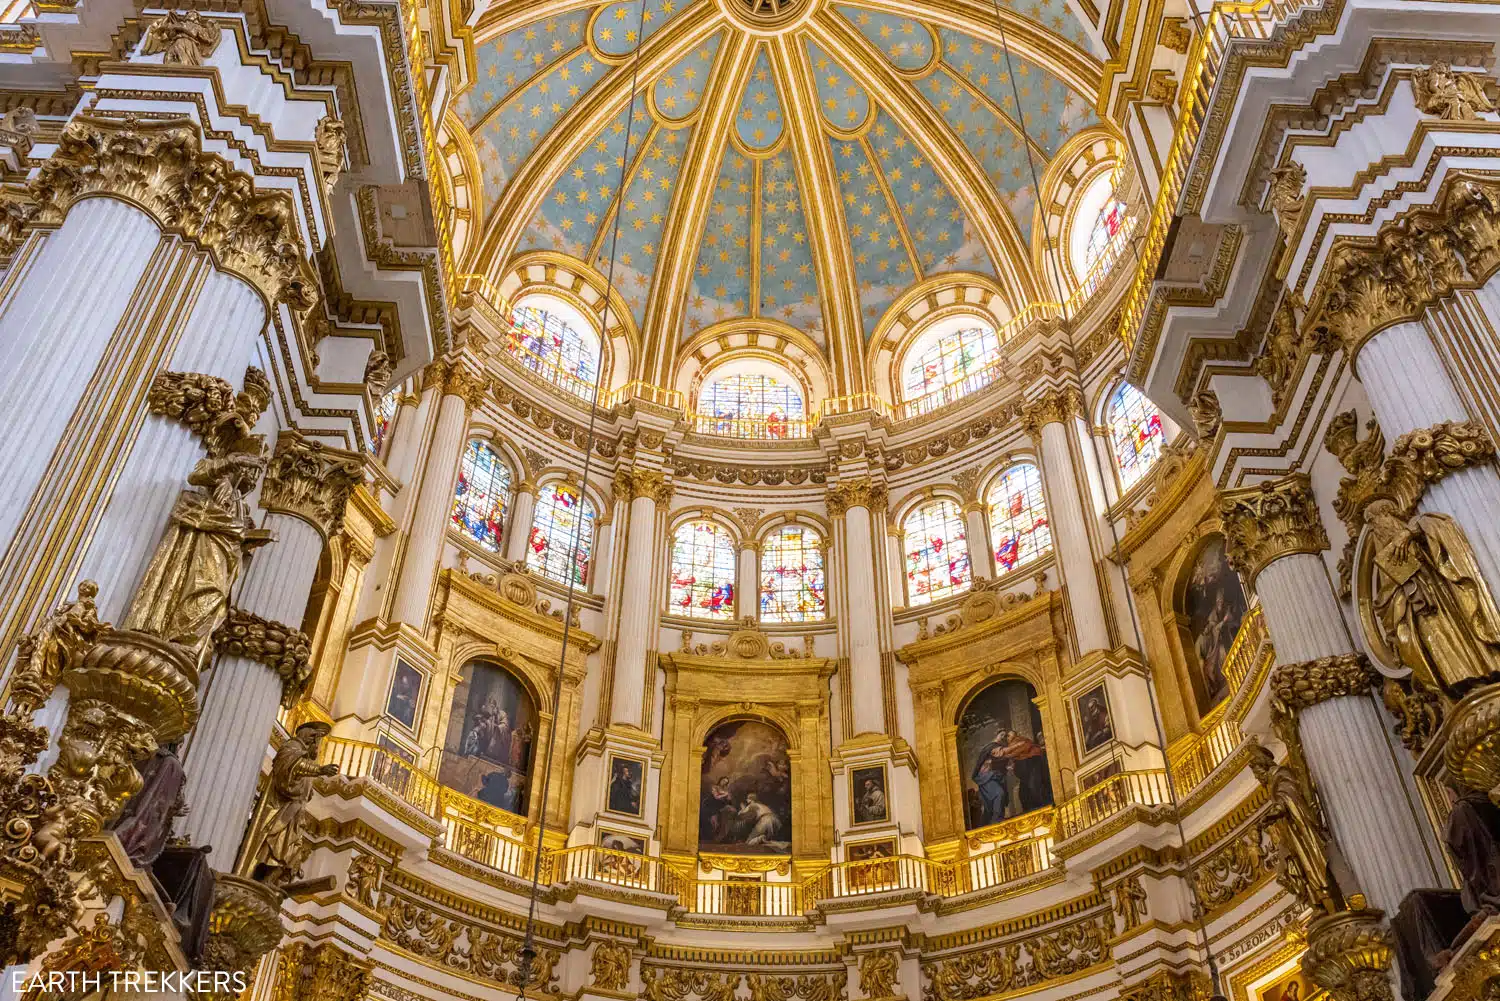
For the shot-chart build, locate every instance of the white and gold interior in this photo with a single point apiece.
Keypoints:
(749, 500)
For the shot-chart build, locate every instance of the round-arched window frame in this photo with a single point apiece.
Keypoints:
(1136, 435)
(1097, 221)
(704, 567)
(937, 552)
(482, 495)
(952, 359)
(793, 586)
(751, 400)
(550, 337)
(561, 513)
(1019, 529)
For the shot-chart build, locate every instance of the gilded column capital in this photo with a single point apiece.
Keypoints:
(308, 480)
(1313, 681)
(1272, 519)
(862, 492)
(650, 483)
(285, 650)
(454, 378)
(160, 166)
(209, 407)
(1349, 954)
(1053, 407)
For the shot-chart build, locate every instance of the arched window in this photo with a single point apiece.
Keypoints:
(559, 509)
(703, 571)
(937, 554)
(949, 361)
(792, 585)
(1018, 518)
(552, 339)
(1099, 218)
(482, 495)
(1135, 433)
(385, 413)
(752, 405)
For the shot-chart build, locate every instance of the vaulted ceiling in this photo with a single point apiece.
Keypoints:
(797, 162)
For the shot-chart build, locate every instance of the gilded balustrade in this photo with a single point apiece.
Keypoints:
(1110, 798)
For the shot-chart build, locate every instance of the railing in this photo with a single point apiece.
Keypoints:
(742, 898)
(1002, 865)
(883, 875)
(549, 370)
(1204, 752)
(1245, 649)
(489, 847)
(608, 865)
(640, 390)
(836, 405)
(1225, 22)
(357, 759)
(769, 428)
(1112, 796)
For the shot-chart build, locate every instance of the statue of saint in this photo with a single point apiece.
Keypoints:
(280, 840)
(59, 639)
(1429, 597)
(1299, 842)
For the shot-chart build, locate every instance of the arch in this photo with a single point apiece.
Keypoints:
(1136, 435)
(928, 302)
(563, 507)
(933, 539)
(1000, 743)
(763, 338)
(745, 792)
(481, 495)
(1209, 603)
(704, 568)
(793, 577)
(553, 338)
(463, 181)
(1082, 158)
(1020, 533)
(953, 355)
(489, 749)
(750, 397)
(1091, 223)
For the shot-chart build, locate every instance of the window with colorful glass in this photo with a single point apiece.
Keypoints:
(560, 513)
(792, 585)
(751, 405)
(703, 571)
(1098, 220)
(1135, 433)
(937, 554)
(955, 362)
(546, 339)
(385, 413)
(1018, 518)
(482, 495)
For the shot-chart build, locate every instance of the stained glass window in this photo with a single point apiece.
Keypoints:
(1099, 218)
(549, 547)
(546, 342)
(751, 406)
(937, 554)
(1018, 518)
(947, 361)
(482, 495)
(1135, 432)
(703, 571)
(385, 413)
(792, 585)
(1107, 223)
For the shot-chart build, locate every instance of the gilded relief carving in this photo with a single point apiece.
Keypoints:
(1299, 846)
(468, 948)
(1027, 963)
(1272, 519)
(281, 648)
(679, 983)
(311, 481)
(1452, 96)
(210, 408)
(878, 970)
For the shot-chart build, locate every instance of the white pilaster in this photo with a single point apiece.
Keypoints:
(627, 699)
(981, 555)
(867, 691)
(432, 497)
(523, 510)
(747, 583)
(1071, 538)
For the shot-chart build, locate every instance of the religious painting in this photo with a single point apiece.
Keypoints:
(491, 734)
(406, 692)
(1002, 754)
(745, 801)
(1094, 722)
(867, 786)
(626, 779)
(624, 855)
(1213, 605)
(868, 872)
(1292, 987)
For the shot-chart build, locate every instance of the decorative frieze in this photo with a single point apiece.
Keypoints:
(1229, 870)
(679, 983)
(1272, 519)
(281, 648)
(797, 987)
(878, 970)
(609, 967)
(306, 479)
(1310, 682)
(1029, 962)
(471, 949)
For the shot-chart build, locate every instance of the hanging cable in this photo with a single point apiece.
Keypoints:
(1051, 251)
(528, 946)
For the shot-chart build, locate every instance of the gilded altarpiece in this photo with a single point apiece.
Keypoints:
(744, 679)
(500, 620)
(993, 637)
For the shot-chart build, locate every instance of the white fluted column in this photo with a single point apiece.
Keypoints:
(648, 489)
(523, 510)
(747, 579)
(852, 501)
(981, 556)
(1409, 389)
(306, 489)
(896, 565)
(1049, 420)
(432, 491)
(1275, 536)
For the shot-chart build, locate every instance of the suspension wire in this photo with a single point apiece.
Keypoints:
(1135, 623)
(528, 948)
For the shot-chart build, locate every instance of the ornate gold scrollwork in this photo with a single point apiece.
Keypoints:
(861, 492)
(1304, 684)
(1349, 954)
(285, 650)
(798, 987)
(245, 924)
(210, 408)
(306, 479)
(678, 983)
(1272, 519)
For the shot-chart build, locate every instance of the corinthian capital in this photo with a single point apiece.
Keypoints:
(1273, 519)
(862, 492)
(650, 483)
(308, 480)
(279, 647)
(1053, 407)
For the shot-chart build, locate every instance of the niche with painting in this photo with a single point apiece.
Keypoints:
(491, 738)
(1210, 605)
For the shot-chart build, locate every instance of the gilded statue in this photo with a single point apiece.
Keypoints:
(329, 138)
(1277, 362)
(1130, 902)
(610, 966)
(1449, 95)
(182, 39)
(279, 840)
(1298, 840)
(363, 881)
(184, 596)
(1428, 599)
(58, 640)
(877, 973)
